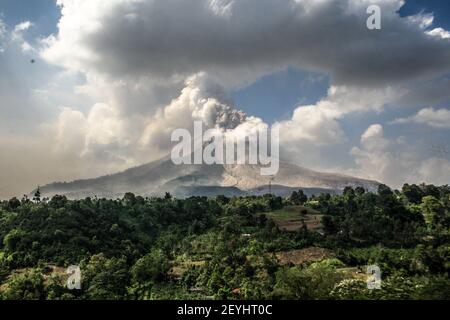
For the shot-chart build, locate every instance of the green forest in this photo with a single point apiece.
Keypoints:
(255, 247)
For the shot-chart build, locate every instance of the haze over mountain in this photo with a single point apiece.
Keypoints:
(158, 177)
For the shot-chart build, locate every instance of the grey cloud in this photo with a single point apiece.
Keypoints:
(244, 39)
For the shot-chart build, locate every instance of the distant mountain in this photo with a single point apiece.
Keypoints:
(156, 178)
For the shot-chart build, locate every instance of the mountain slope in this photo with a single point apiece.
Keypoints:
(162, 176)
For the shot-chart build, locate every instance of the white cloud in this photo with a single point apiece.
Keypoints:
(104, 135)
(435, 170)
(23, 26)
(315, 130)
(200, 100)
(374, 158)
(439, 32)
(313, 124)
(17, 35)
(2, 29)
(423, 20)
(2, 34)
(19, 30)
(71, 130)
(222, 8)
(373, 138)
(100, 136)
(26, 47)
(439, 118)
(395, 162)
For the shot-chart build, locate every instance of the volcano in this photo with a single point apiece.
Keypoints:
(161, 176)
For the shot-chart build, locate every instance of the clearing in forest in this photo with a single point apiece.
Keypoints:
(293, 218)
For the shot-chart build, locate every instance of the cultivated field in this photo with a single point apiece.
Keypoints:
(293, 218)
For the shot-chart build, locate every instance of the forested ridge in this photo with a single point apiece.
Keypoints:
(252, 247)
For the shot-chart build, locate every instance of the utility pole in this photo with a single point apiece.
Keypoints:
(270, 184)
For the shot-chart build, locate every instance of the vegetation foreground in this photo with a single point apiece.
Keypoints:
(229, 248)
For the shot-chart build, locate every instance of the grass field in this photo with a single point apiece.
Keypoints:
(293, 218)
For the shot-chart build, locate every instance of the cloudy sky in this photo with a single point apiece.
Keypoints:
(91, 87)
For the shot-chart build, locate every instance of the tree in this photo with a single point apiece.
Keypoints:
(58, 201)
(431, 190)
(148, 271)
(153, 267)
(348, 192)
(412, 193)
(167, 196)
(13, 239)
(386, 198)
(105, 279)
(351, 289)
(14, 203)
(298, 198)
(433, 211)
(26, 286)
(312, 283)
(360, 191)
(37, 195)
(129, 198)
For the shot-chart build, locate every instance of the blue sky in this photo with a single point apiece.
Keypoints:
(440, 8)
(43, 13)
(113, 78)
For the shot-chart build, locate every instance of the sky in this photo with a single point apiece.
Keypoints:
(92, 87)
